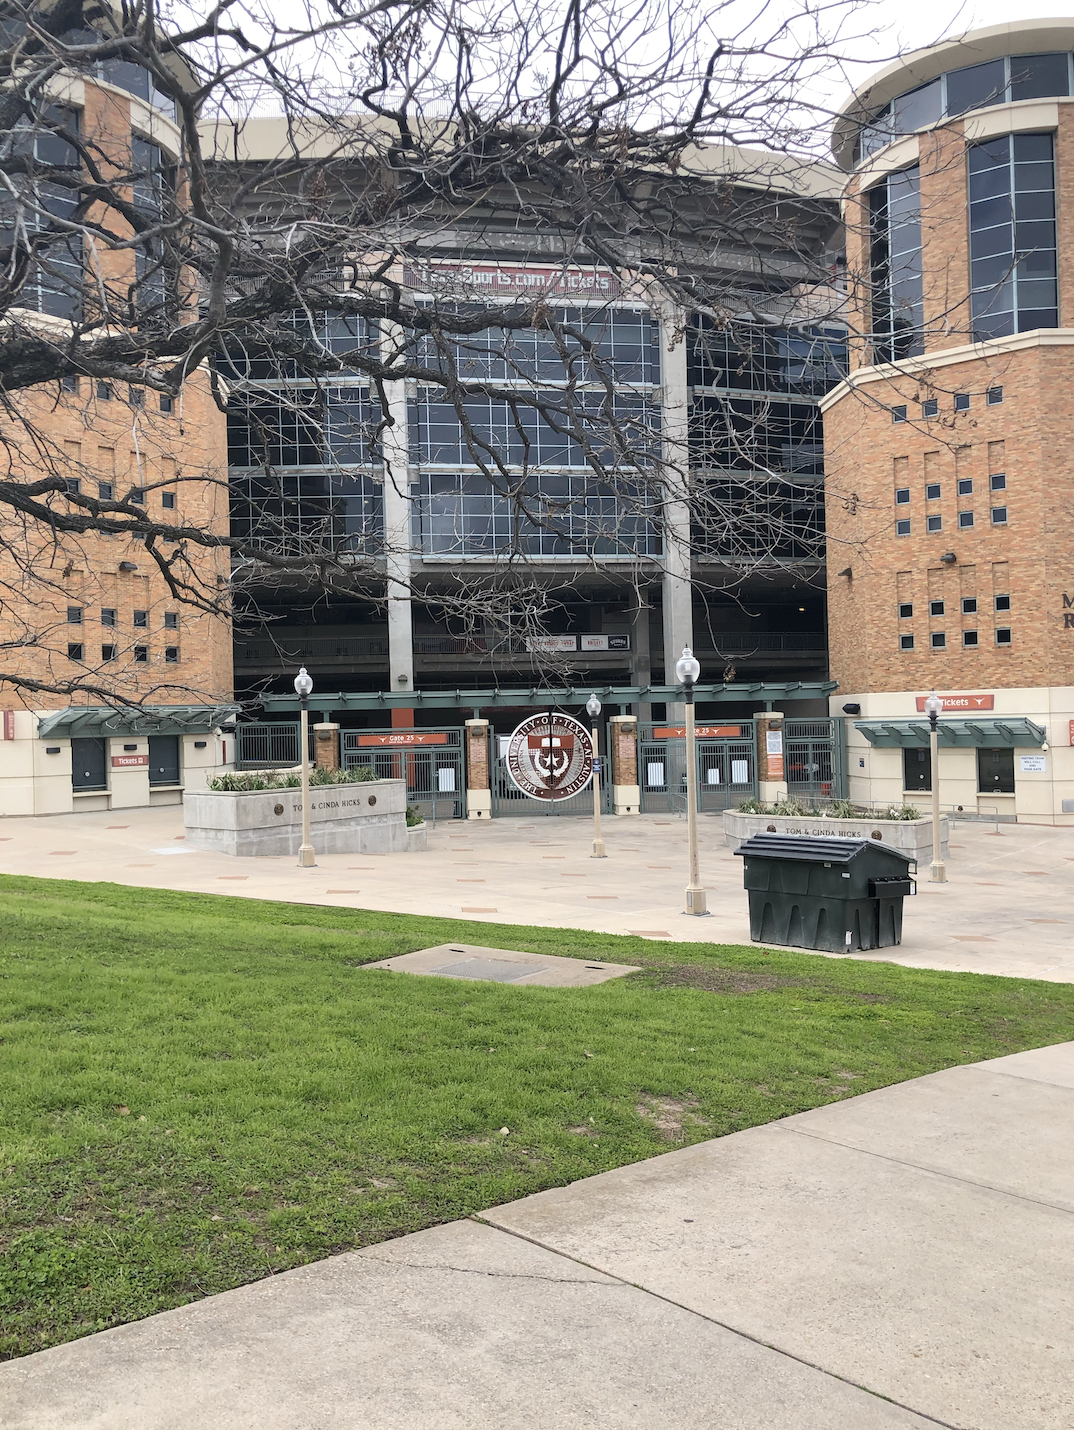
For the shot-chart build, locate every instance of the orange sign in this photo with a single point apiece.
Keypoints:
(678, 732)
(961, 702)
(406, 737)
(126, 762)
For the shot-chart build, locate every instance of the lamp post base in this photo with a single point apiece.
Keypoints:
(697, 903)
(938, 873)
(306, 858)
(599, 851)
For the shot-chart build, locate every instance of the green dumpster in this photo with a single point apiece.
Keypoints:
(825, 893)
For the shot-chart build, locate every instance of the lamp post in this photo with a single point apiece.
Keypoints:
(687, 670)
(304, 689)
(933, 706)
(592, 706)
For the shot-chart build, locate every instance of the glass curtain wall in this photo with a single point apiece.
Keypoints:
(895, 263)
(33, 212)
(1012, 235)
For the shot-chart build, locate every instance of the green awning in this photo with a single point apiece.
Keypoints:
(100, 720)
(967, 730)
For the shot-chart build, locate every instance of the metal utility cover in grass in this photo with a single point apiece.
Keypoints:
(503, 965)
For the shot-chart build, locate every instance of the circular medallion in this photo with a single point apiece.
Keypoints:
(550, 757)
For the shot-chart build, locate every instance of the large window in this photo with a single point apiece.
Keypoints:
(47, 191)
(329, 332)
(1001, 81)
(756, 434)
(895, 260)
(1012, 235)
(302, 427)
(750, 358)
(308, 511)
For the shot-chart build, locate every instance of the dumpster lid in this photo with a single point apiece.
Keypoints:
(817, 849)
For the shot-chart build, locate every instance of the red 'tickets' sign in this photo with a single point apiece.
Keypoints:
(962, 702)
(126, 762)
(678, 732)
(426, 737)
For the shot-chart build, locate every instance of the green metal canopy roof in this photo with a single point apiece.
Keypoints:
(82, 720)
(972, 731)
(543, 695)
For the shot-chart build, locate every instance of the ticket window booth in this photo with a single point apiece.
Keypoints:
(995, 771)
(917, 770)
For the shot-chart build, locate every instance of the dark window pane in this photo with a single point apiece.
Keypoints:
(976, 86)
(1039, 76)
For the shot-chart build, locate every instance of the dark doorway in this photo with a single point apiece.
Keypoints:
(164, 759)
(995, 771)
(88, 768)
(917, 770)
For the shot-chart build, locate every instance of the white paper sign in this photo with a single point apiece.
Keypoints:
(445, 781)
(713, 777)
(740, 772)
(654, 774)
(1033, 764)
(774, 742)
(551, 643)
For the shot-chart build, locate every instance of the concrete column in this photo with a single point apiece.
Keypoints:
(326, 746)
(641, 669)
(396, 448)
(478, 792)
(771, 779)
(678, 590)
(623, 747)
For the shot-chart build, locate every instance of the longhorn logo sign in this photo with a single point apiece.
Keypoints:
(550, 757)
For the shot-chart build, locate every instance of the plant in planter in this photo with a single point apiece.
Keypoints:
(414, 817)
(753, 806)
(791, 807)
(249, 780)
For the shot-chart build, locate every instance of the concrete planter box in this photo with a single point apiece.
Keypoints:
(344, 819)
(417, 838)
(912, 836)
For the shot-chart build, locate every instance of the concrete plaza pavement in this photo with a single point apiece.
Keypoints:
(1008, 908)
(894, 1261)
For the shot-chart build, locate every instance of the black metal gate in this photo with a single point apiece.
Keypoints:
(814, 765)
(431, 762)
(726, 769)
(264, 746)
(508, 799)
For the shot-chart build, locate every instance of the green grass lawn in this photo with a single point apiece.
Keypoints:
(198, 1091)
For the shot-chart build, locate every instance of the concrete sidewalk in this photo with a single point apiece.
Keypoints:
(1006, 910)
(901, 1259)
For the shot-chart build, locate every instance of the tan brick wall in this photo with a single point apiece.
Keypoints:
(43, 572)
(1031, 559)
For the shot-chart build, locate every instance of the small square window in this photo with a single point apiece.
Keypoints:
(74, 651)
(171, 620)
(962, 402)
(969, 638)
(136, 396)
(998, 482)
(141, 655)
(74, 615)
(108, 616)
(70, 382)
(902, 528)
(72, 484)
(166, 403)
(109, 652)
(930, 408)
(171, 654)
(1003, 635)
(932, 491)
(141, 620)
(999, 516)
(934, 523)
(995, 396)
(898, 414)
(965, 519)
(965, 486)
(137, 496)
(906, 610)
(168, 500)
(935, 608)
(906, 642)
(938, 640)
(1003, 603)
(106, 491)
(104, 391)
(969, 605)
(902, 496)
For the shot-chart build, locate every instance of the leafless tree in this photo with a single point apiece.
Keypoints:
(659, 152)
